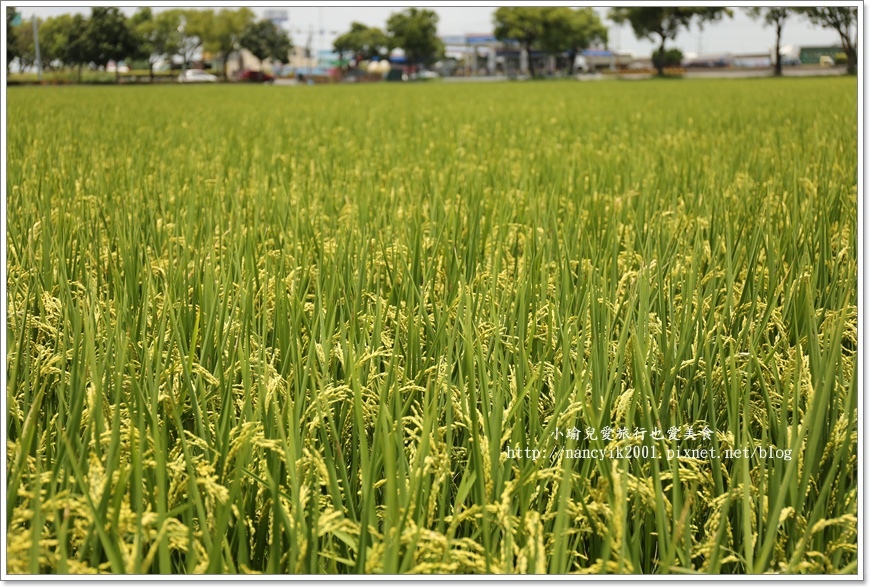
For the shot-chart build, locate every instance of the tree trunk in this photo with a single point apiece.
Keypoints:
(572, 58)
(151, 71)
(852, 59)
(660, 62)
(117, 73)
(226, 57)
(851, 55)
(80, 73)
(777, 67)
(531, 61)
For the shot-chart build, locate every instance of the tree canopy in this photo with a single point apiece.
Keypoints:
(664, 23)
(109, 36)
(64, 38)
(415, 31)
(840, 19)
(11, 37)
(221, 32)
(363, 41)
(191, 27)
(266, 40)
(157, 35)
(522, 24)
(564, 29)
(551, 29)
(24, 49)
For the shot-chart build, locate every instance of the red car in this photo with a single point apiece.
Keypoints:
(248, 75)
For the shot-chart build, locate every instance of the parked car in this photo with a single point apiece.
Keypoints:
(196, 76)
(247, 75)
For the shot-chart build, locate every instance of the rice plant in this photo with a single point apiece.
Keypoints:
(306, 330)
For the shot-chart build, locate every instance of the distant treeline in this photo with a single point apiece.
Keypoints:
(107, 35)
(77, 41)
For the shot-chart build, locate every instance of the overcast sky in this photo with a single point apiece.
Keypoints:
(739, 34)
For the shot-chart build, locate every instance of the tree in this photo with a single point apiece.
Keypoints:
(775, 16)
(25, 48)
(185, 27)
(362, 41)
(221, 34)
(11, 37)
(197, 28)
(77, 51)
(556, 27)
(64, 38)
(841, 19)
(651, 22)
(588, 30)
(415, 31)
(266, 40)
(110, 37)
(523, 24)
(52, 38)
(673, 57)
(158, 36)
(563, 29)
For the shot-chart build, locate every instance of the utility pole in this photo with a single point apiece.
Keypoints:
(36, 44)
(310, 54)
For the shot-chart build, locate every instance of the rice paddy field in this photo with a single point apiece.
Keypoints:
(306, 330)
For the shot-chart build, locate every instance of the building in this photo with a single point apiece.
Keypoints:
(788, 54)
(752, 60)
(815, 55)
(302, 61)
(707, 61)
(299, 62)
(482, 54)
(601, 59)
(241, 60)
(473, 54)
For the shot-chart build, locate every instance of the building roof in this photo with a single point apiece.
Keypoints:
(469, 39)
(597, 53)
(482, 38)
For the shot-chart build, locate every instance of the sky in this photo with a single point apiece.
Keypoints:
(739, 34)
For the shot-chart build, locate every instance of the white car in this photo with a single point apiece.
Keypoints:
(196, 76)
